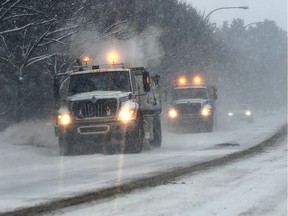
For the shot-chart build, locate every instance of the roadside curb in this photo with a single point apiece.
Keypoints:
(153, 180)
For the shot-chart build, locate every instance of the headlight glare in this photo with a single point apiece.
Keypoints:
(230, 114)
(127, 114)
(64, 119)
(206, 111)
(248, 113)
(172, 113)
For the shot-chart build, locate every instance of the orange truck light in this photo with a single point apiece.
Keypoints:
(182, 81)
(197, 80)
(113, 57)
(86, 59)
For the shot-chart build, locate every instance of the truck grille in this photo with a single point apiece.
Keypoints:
(99, 108)
(189, 108)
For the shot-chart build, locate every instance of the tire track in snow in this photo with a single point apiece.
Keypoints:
(145, 182)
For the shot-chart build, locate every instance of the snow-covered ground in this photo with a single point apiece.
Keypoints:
(32, 170)
(252, 186)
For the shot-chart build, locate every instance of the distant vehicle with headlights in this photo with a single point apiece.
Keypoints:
(193, 104)
(109, 106)
(241, 112)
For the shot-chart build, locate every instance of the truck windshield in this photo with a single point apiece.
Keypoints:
(102, 81)
(190, 93)
(240, 107)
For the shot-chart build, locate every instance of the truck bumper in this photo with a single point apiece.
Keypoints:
(190, 120)
(107, 131)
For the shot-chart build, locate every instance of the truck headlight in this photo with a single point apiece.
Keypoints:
(172, 113)
(248, 113)
(127, 114)
(64, 119)
(206, 110)
(230, 114)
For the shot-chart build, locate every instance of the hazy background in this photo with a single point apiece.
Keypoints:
(258, 11)
(169, 37)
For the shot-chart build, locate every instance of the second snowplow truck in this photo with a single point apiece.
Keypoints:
(192, 104)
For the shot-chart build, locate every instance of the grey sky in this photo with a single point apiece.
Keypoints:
(258, 11)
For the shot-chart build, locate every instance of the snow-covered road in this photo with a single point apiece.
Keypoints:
(32, 170)
(252, 186)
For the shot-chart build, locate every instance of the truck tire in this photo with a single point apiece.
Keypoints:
(134, 139)
(156, 143)
(66, 145)
(209, 126)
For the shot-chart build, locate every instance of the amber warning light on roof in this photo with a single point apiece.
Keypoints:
(197, 80)
(113, 57)
(86, 59)
(182, 81)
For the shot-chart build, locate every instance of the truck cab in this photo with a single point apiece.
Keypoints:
(110, 106)
(192, 105)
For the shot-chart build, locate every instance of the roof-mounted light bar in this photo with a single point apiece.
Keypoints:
(183, 81)
(108, 66)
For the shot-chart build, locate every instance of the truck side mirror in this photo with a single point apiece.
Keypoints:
(146, 81)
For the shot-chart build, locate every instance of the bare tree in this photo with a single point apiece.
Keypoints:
(32, 30)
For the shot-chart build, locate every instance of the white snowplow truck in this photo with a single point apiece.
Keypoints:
(112, 107)
(192, 105)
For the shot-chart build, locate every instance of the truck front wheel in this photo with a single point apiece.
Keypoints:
(209, 126)
(134, 139)
(66, 145)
